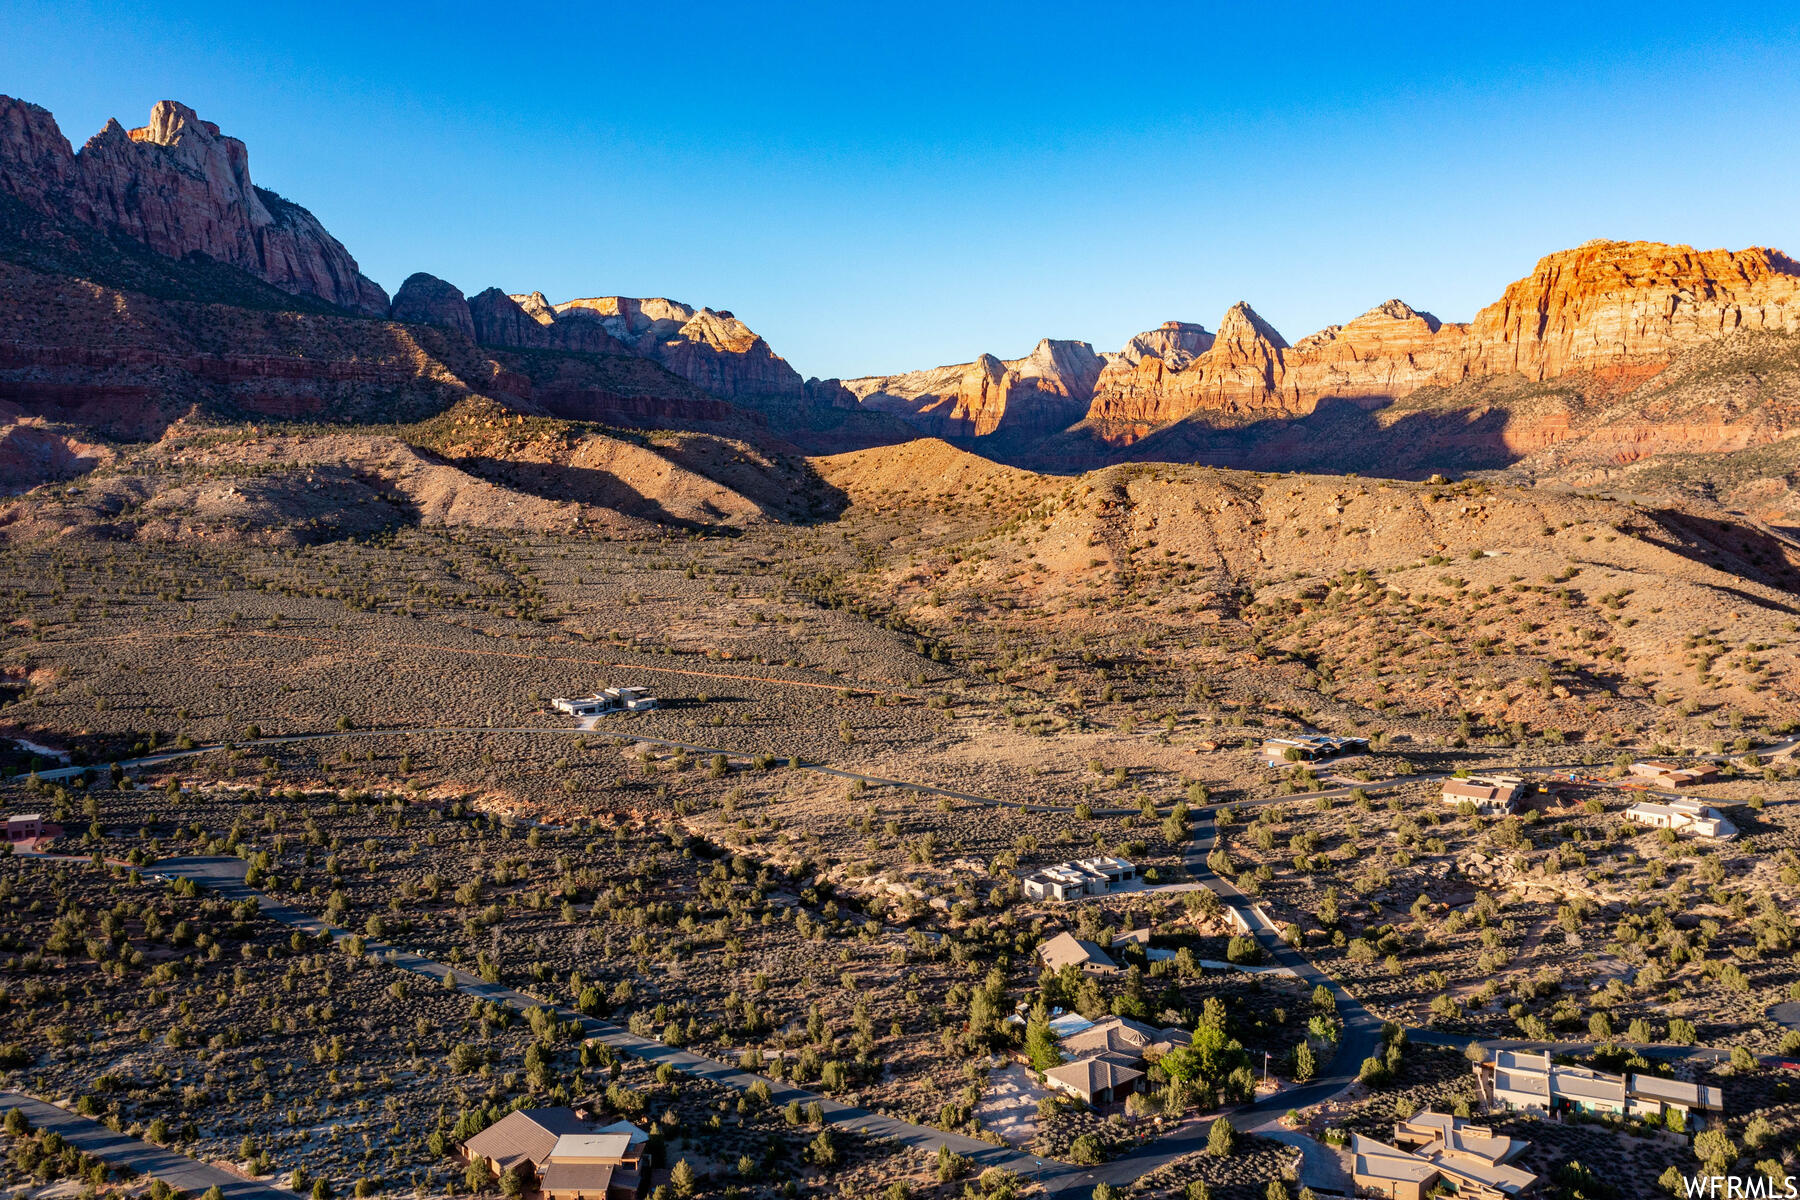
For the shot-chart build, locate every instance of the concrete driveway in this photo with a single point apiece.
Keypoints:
(1009, 1105)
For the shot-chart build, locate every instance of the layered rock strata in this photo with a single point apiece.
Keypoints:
(1046, 390)
(1602, 307)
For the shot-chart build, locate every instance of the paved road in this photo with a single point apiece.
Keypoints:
(177, 1170)
(1359, 1039)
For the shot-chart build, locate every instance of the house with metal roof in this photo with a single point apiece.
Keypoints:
(522, 1138)
(563, 1156)
(594, 1166)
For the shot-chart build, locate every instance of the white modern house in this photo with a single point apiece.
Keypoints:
(1078, 877)
(607, 700)
(1310, 747)
(1683, 816)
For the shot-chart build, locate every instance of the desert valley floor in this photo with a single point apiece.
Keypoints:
(805, 862)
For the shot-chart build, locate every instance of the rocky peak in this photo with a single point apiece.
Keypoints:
(1241, 326)
(709, 348)
(1600, 307)
(500, 320)
(1399, 310)
(181, 187)
(536, 306)
(35, 158)
(1608, 303)
(1174, 343)
(719, 330)
(634, 321)
(428, 300)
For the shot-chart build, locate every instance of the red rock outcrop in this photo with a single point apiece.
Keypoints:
(428, 300)
(1608, 303)
(1604, 306)
(712, 350)
(180, 187)
(1046, 390)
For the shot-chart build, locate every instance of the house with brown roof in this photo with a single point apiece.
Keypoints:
(1100, 1080)
(1673, 774)
(1133, 1041)
(594, 1166)
(1492, 795)
(1066, 949)
(563, 1155)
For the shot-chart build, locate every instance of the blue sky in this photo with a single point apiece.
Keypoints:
(882, 187)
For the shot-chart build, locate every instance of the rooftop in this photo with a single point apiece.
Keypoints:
(527, 1135)
(1090, 1075)
(1066, 948)
(591, 1147)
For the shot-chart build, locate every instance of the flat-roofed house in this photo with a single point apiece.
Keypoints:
(1078, 877)
(1311, 747)
(1383, 1170)
(1520, 1079)
(582, 706)
(594, 1166)
(1065, 949)
(1673, 774)
(1654, 1097)
(1433, 1150)
(1683, 816)
(632, 699)
(1492, 795)
(25, 827)
(1099, 1080)
(606, 700)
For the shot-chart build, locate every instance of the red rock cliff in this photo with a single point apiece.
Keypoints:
(180, 187)
(1601, 306)
(1046, 390)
